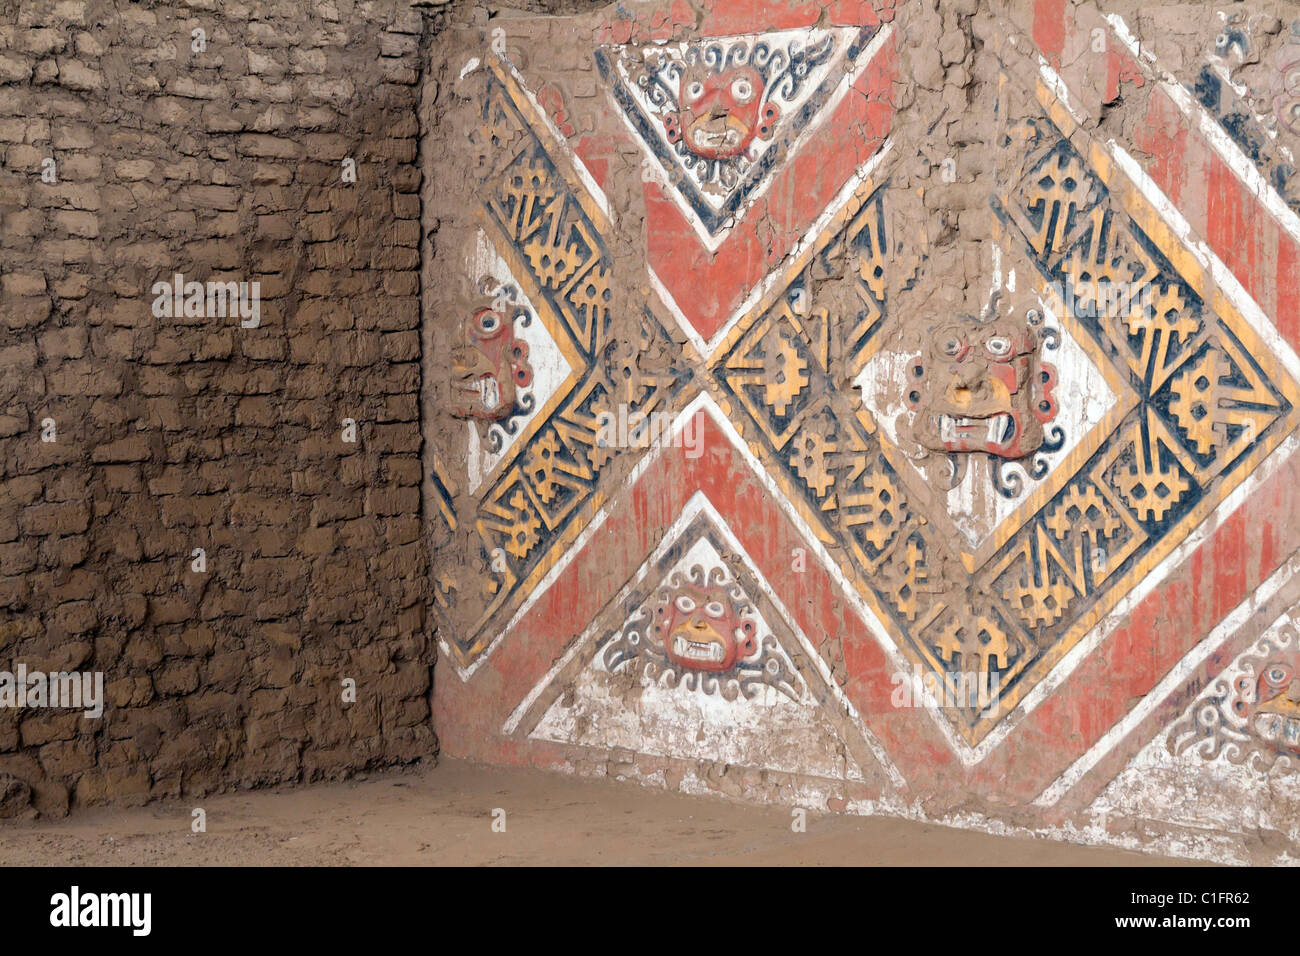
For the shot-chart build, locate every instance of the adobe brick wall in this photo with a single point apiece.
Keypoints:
(179, 433)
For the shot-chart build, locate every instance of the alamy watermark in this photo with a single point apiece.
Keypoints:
(76, 690)
(632, 429)
(962, 689)
(208, 300)
(73, 909)
(1093, 298)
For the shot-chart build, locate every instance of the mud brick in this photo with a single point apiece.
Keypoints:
(393, 501)
(134, 448)
(275, 227)
(264, 146)
(68, 518)
(77, 76)
(67, 758)
(42, 41)
(82, 224)
(21, 490)
(177, 678)
(23, 283)
(65, 552)
(398, 408)
(402, 470)
(402, 529)
(253, 509)
(23, 312)
(76, 195)
(68, 342)
(191, 510)
(259, 411)
(14, 68)
(129, 691)
(395, 438)
(18, 557)
(68, 486)
(166, 413)
(223, 668)
(123, 478)
(213, 197)
(49, 725)
(191, 642)
(319, 228)
(401, 346)
(406, 206)
(18, 356)
(74, 617)
(170, 610)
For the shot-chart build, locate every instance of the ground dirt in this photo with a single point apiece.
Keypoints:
(443, 816)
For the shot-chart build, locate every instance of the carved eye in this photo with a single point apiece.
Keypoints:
(1277, 675)
(694, 91)
(742, 91)
(999, 346)
(714, 609)
(489, 323)
(1293, 80)
(951, 345)
(685, 604)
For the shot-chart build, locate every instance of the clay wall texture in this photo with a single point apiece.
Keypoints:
(808, 357)
(219, 160)
(730, 379)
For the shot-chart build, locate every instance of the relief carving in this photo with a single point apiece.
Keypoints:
(489, 366)
(981, 386)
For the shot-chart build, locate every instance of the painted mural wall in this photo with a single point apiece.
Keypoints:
(875, 408)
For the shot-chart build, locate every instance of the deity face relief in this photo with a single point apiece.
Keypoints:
(721, 113)
(702, 629)
(1275, 715)
(488, 367)
(981, 387)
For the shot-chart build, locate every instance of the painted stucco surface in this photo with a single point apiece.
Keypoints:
(882, 409)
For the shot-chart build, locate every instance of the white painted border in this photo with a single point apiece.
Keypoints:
(706, 349)
(579, 167)
(1213, 133)
(1180, 672)
(698, 504)
(1255, 317)
(712, 242)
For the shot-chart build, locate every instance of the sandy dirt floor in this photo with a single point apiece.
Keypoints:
(443, 816)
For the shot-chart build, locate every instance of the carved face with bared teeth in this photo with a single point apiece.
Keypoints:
(721, 113)
(1275, 714)
(488, 367)
(981, 387)
(702, 628)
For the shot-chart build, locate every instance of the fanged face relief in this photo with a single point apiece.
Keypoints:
(981, 387)
(488, 367)
(1275, 715)
(702, 629)
(721, 113)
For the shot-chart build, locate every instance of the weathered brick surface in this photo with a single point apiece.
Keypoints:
(173, 434)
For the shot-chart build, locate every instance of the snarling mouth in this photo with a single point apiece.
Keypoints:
(485, 389)
(995, 430)
(706, 651)
(720, 136)
(1281, 730)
